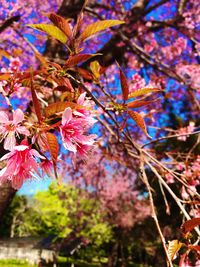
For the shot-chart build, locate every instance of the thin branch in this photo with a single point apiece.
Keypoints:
(153, 209)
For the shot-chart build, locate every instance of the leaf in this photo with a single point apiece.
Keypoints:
(57, 107)
(4, 53)
(98, 26)
(74, 60)
(197, 248)
(51, 30)
(95, 68)
(124, 85)
(36, 102)
(139, 121)
(143, 91)
(53, 146)
(85, 74)
(173, 248)
(189, 225)
(138, 103)
(5, 76)
(61, 23)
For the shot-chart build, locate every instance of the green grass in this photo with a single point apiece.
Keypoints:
(15, 263)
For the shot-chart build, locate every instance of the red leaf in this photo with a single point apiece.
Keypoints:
(197, 248)
(61, 23)
(87, 75)
(124, 85)
(139, 121)
(138, 103)
(189, 225)
(53, 148)
(76, 59)
(36, 102)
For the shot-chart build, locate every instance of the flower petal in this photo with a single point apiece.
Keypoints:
(3, 117)
(18, 116)
(67, 116)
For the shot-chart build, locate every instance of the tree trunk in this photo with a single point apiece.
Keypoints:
(6, 195)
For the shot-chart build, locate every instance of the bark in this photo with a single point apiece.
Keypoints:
(6, 195)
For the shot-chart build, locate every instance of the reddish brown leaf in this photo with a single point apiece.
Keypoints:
(197, 248)
(53, 146)
(139, 121)
(61, 23)
(87, 75)
(138, 103)
(36, 102)
(4, 76)
(124, 85)
(143, 91)
(189, 225)
(74, 60)
(57, 107)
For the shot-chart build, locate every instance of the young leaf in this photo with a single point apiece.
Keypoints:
(189, 225)
(124, 85)
(53, 146)
(195, 247)
(5, 76)
(87, 75)
(61, 23)
(36, 102)
(138, 103)
(5, 54)
(143, 91)
(95, 68)
(139, 121)
(57, 107)
(51, 30)
(76, 59)
(97, 27)
(173, 248)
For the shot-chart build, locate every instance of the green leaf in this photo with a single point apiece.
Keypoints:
(97, 27)
(51, 30)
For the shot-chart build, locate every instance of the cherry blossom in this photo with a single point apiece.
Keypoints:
(9, 129)
(72, 132)
(21, 165)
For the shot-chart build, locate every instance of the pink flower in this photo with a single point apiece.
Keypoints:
(72, 132)
(10, 128)
(47, 168)
(85, 112)
(21, 165)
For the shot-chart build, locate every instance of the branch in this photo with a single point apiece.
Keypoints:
(9, 22)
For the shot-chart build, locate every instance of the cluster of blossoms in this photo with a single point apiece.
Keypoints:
(173, 51)
(186, 130)
(75, 124)
(23, 162)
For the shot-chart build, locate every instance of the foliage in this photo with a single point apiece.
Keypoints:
(86, 110)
